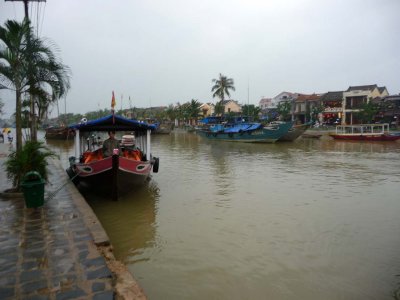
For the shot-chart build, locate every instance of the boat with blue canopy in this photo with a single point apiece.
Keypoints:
(129, 165)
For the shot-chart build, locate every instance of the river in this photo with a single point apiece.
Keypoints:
(310, 219)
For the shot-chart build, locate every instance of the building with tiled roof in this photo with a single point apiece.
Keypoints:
(304, 104)
(356, 96)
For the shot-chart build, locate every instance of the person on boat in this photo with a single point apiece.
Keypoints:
(110, 144)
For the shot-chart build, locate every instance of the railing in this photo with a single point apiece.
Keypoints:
(362, 129)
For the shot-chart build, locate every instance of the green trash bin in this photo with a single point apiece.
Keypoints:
(33, 189)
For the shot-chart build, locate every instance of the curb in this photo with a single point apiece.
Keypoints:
(126, 287)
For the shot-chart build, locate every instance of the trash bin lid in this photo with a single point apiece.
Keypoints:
(32, 176)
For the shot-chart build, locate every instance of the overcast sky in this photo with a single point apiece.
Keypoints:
(160, 52)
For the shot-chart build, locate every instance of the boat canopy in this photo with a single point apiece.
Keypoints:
(212, 120)
(110, 123)
(243, 127)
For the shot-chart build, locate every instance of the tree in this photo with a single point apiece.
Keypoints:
(171, 112)
(283, 108)
(251, 111)
(27, 65)
(315, 111)
(13, 66)
(367, 112)
(193, 109)
(219, 108)
(222, 86)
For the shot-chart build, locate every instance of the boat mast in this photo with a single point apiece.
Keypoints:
(248, 100)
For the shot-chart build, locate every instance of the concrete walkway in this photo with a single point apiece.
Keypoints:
(57, 251)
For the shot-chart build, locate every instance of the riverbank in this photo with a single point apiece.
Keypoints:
(59, 250)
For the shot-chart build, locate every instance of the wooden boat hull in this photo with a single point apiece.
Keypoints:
(261, 135)
(99, 175)
(311, 135)
(294, 133)
(365, 137)
(59, 133)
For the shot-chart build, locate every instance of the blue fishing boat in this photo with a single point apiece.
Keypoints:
(246, 132)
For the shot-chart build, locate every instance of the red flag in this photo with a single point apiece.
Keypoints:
(113, 101)
(112, 106)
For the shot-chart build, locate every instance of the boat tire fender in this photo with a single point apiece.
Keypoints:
(72, 175)
(156, 164)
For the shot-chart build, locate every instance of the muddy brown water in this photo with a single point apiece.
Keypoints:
(311, 219)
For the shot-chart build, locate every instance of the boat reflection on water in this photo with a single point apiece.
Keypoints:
(130, 221)
(328, 144)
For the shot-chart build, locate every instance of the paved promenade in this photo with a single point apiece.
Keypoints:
(56, 251)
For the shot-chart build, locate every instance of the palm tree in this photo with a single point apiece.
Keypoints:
(48, 77)
(28, 65)
(13, 66)
(194, 110)
(171, 112)
(222, 86)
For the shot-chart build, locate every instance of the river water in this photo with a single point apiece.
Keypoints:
(310, 219)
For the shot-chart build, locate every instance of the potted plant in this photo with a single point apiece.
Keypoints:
(32, 157)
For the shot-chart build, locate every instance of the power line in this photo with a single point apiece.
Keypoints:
(26, 2)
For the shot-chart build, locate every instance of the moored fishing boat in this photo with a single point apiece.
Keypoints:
(364, 132)
(246, 132)
(129, 166)
(59, 133)
(163, 128)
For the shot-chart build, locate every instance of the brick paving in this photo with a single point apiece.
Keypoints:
(50, 252)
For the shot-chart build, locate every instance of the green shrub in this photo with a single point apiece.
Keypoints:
(32, 157)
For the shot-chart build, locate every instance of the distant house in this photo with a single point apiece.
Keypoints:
(303, 106)
(355, 96)
(207, 109)
(333, 107)
(231, 106)
(283, 96)
(265, 103)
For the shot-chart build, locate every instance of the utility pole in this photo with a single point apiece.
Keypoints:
(26, 5)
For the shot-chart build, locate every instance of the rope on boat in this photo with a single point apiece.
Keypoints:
(52, 194)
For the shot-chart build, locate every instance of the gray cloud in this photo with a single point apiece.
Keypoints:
(161, 52)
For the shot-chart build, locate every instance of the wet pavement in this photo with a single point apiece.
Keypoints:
(51, 252)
